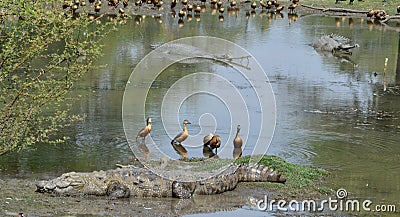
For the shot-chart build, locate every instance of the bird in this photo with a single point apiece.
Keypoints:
(207, 152)
(146, 130)
(398, 9)
(219, 4)
(173, 3)
(213, 141)
(221, 10)
(97, 6)
(181, 14)
(380, 14)
(213, 2)
(125, 3)
(253, 5)
(237, 153)
(370, 13)
(197, 9)
(233, 3)
(237, 144)
(279, 9)
(263, 4)
(184, 2)
(178, 139)
(292, 7)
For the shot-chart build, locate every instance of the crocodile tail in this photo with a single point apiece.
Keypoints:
(258, 173)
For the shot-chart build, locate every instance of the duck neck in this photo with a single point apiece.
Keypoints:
(185, 128)
(238, 133)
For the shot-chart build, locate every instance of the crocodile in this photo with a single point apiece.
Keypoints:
(334, 43)
(142, 182)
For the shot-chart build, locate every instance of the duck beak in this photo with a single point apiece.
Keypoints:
(189, 123)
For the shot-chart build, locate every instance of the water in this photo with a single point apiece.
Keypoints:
(330, 112)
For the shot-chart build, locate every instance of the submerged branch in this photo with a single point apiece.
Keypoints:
(343, 10)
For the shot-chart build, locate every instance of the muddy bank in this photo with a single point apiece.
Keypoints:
(20, 196)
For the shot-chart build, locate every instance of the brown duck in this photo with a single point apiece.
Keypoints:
(237, 144)
(177, 141)
(146, 130)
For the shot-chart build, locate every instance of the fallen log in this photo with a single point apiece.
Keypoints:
(340, 10)
(390, 18)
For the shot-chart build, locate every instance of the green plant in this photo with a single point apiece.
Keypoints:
(44, 49)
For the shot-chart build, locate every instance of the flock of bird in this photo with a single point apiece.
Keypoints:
(186, 8)
(210, 141)
(184, 5)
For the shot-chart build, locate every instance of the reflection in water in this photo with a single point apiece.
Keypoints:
(144, 150)
(329, 113)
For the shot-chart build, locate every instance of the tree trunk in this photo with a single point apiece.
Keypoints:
(398, 64)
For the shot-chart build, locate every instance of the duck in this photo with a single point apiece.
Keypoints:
(189, 7)
(125, 3)
(178, 139)
(233, 3)
(253, 5)
(184, 2)
(207, 152)
(292, 7)
(237, 142)
(380, 14)
(221, 10)
(181, 14)
(197, 9)
(263, 4)
(97, 6)
(213, 141)
(213, 2)
(398, 9)
(173, 3)
(370, 13)
(279, 9)
(219, 4)
(146, 130)
(237, 153)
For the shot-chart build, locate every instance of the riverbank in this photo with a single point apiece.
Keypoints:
(302, 183)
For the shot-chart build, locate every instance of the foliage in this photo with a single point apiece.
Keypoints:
(43, 51)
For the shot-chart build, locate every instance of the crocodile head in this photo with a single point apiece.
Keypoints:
(74, 183)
